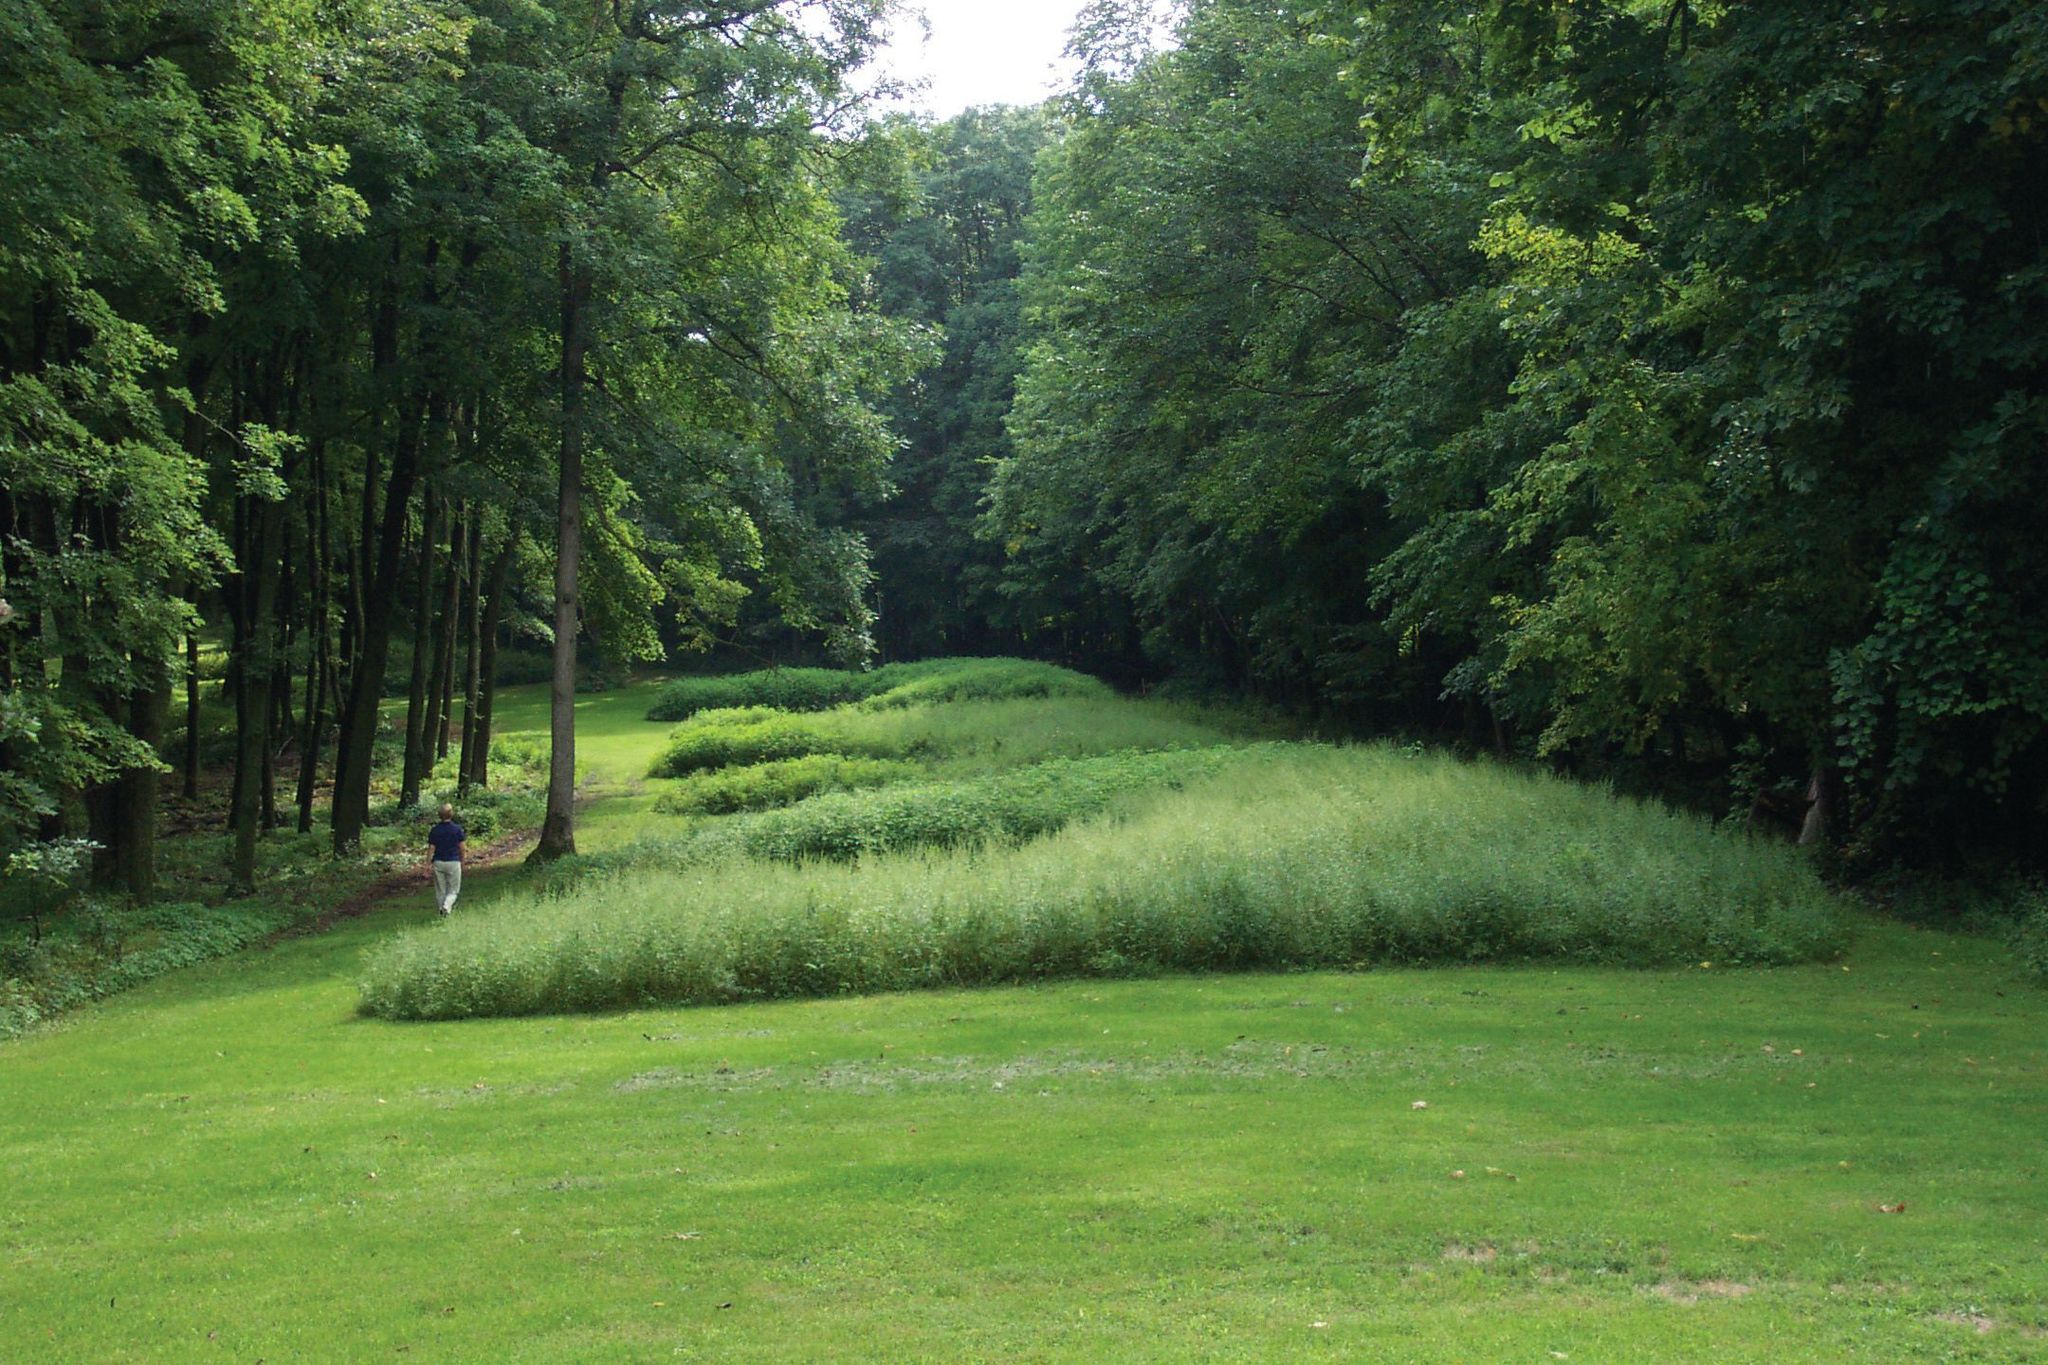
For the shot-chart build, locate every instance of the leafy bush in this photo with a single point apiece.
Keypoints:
(486, 813)
(783, 782)
(819, 689)
(1315, 858)
(1002, 733)
(523, 666)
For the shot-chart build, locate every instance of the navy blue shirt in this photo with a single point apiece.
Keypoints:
(447, 838)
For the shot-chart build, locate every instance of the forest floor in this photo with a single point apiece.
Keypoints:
(1836, 1161)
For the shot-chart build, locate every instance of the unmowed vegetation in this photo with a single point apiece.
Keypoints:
(892, 685)
(1006, 733)
(1282, 857)
(1010, 806)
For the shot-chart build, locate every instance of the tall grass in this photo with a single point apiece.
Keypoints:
(905, 684)
(1009, 806)
(781, 782)
(1006, 733)
(1328, 858)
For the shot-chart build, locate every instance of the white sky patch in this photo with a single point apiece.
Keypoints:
(982, 52)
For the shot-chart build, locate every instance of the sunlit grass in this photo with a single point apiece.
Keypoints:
(994, 733)
(1485, 1162)
(1297, 857)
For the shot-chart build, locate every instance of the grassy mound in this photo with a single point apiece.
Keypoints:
(1005, 733)
(983, 680)
(906, 684)
(1005, 807)
(782, 782)
(1323, 858)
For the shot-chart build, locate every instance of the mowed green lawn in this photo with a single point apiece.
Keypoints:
(232, 1164)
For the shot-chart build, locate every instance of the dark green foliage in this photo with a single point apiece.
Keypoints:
(1635, 386)
(783, 689)
(947, 256)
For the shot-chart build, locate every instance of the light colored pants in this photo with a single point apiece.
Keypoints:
(447, 884)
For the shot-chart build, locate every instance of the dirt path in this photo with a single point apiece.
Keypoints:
(406, 881)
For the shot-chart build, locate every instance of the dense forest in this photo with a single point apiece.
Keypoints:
(1650, 388)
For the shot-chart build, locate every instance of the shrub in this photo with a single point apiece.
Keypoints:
(783, 782)
(1314, 858)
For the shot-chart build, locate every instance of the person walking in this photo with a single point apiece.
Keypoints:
(447, 839)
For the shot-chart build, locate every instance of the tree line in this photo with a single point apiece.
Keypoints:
(340, 328)
(1651, 387)
(1648, 387)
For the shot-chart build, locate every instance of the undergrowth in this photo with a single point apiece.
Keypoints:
(1318, 857)
(105, 950)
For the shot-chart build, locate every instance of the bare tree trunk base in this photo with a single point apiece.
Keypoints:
(557, 840)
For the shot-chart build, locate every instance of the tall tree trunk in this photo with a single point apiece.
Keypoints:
(254, 675)
(478, 769)
(446, 633)
(312, 728)
(1824, 801)
(472, 615)
(558, 832)
(351, 809)
(372, 546)
(422, 654)
(192, 714)
(277, 716)
(140, 788)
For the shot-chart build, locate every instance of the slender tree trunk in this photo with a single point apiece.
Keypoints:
(277, 715)
(479, 767)
(318, 668)
(472, 615)
(558, 832)
(191, 715)
(422, 655)
(254, 677)
(434, 743)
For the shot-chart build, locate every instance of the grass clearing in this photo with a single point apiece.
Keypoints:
(1293, 856)
(1191, 1167)
(1609, 1164)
